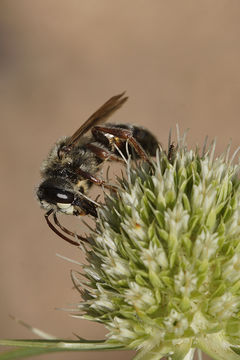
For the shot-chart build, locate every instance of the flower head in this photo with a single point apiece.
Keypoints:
(164, 263)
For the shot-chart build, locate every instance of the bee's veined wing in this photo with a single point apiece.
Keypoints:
(100, 116)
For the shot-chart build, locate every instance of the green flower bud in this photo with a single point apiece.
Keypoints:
(164, 263)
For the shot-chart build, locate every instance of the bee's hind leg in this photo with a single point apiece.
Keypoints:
(122, 134)
(104, 154)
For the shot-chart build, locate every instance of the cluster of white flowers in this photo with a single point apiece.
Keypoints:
(164, 263)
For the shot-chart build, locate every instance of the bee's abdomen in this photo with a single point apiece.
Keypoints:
(146, 140)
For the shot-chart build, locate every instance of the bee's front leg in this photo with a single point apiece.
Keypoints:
(64, 237)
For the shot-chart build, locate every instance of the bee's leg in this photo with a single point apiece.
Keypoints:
(86, 175)
(52, 227)
(103, 153)
(122, 134)
(66, 230)
(85, 206)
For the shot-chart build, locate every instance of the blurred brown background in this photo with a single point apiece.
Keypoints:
(59, 60)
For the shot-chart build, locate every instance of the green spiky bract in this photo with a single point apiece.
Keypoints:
(163, 271)
(164, 264)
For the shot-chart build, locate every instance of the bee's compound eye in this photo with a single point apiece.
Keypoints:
(55, 195)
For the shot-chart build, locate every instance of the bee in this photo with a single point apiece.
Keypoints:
(71, 166)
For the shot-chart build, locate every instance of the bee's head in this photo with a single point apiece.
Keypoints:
(59, 195)
(54, 194)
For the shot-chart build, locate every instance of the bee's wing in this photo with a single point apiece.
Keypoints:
(101, 115)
